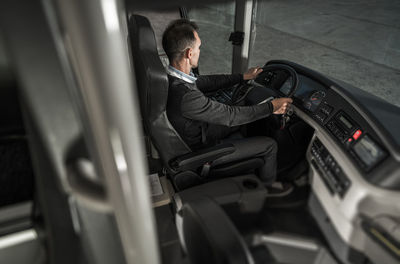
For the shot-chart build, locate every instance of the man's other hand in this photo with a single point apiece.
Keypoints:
(281, 105)
(252, 73)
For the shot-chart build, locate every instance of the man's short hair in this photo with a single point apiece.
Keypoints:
(177, 37)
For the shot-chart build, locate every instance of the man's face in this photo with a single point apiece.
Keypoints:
(194, 59)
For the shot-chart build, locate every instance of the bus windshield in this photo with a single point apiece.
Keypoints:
(355, 41)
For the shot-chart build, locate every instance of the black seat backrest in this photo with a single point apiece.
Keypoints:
(152, 82)
(210, 236)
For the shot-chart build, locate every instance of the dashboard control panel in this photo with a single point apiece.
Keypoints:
(342, 127)
(323, 112)
(331, 172)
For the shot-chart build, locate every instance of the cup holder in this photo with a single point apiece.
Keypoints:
(250, 184)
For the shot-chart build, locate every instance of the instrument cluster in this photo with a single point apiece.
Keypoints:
(309, 94)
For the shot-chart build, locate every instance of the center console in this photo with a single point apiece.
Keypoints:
(329, 169)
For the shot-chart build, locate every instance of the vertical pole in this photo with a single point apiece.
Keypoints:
(243, 23)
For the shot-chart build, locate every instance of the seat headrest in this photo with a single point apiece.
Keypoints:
(143, 32)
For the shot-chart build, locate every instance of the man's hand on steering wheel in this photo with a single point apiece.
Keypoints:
(252, 73)
(281, 105)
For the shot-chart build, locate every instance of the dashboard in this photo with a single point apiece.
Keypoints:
(340, 120)
(354, 161)
(353, 156)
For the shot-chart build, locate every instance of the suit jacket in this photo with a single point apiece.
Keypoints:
(192, 113)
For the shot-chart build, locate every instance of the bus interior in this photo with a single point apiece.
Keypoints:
(92, 171)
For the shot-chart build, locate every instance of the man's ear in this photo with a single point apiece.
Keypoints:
(189, 53)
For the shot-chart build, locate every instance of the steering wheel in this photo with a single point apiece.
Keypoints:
(268, 72)
(266, 77)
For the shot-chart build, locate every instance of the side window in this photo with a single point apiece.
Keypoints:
(356, 42)
(216, 22)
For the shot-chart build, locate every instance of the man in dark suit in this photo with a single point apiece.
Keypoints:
(201, 121)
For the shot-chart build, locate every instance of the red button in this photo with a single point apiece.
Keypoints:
(357, 134)
(350, 139)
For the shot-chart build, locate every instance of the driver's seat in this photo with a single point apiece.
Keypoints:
(186, 167)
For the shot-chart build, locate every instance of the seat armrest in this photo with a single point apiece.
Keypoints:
(197, 159)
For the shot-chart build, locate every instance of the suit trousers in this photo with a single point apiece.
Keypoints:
(263, 147)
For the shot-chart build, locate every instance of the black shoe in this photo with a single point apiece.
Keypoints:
(279, 189)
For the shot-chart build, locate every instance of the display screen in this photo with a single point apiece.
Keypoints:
(345, 121)
(368, 151)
